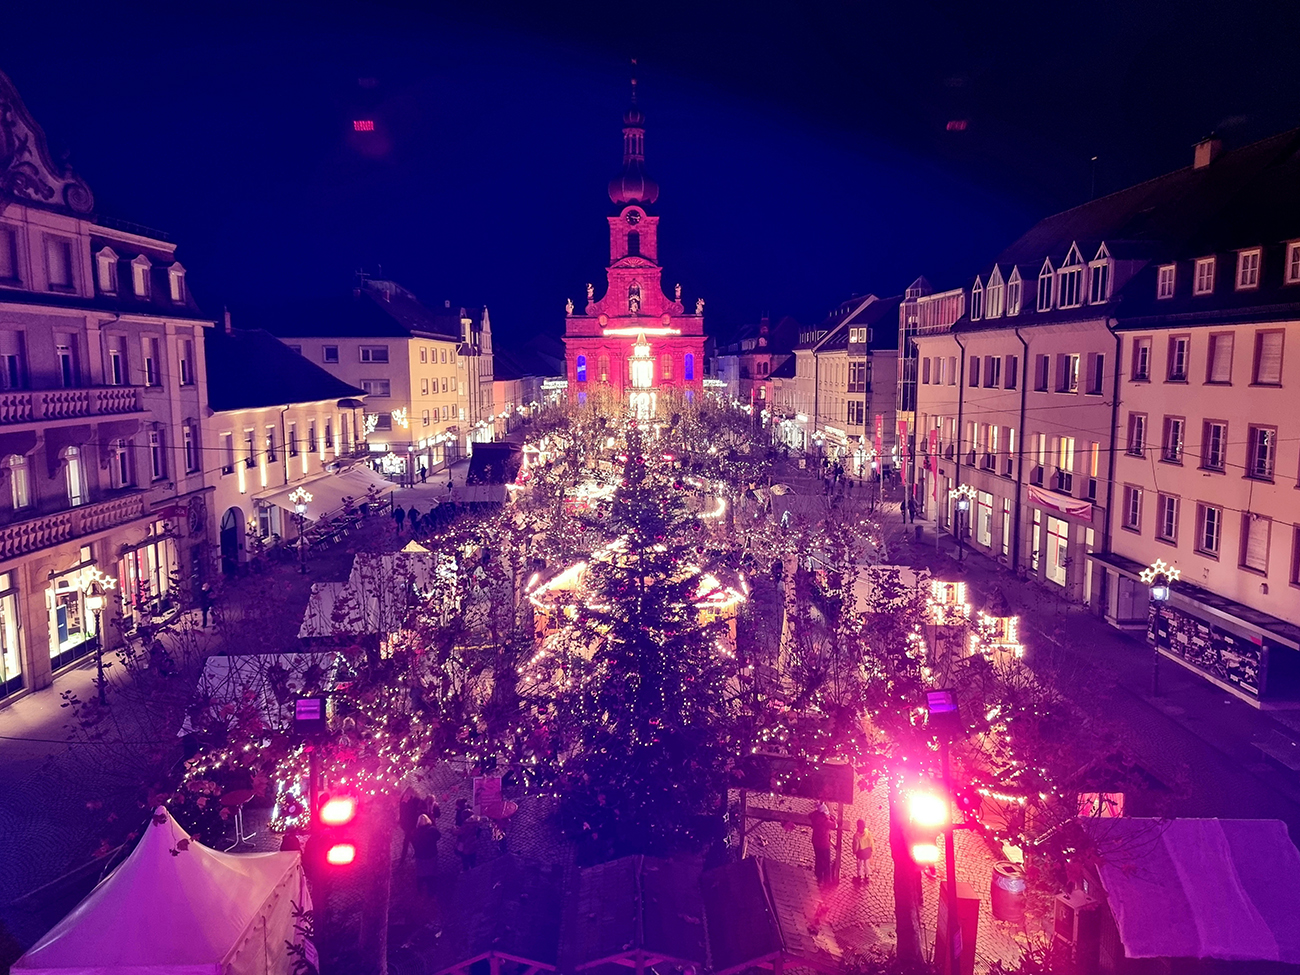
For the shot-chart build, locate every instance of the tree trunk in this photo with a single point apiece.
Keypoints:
(907, 886)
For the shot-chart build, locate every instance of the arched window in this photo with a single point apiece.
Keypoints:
(976, 301)
(19, 484)
(688, 367)
(75, 477)
(603, 366)
(582, 368)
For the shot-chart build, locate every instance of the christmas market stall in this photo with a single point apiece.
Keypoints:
(176, 907)
(379, 594)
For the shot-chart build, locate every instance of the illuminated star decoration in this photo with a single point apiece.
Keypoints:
(1158, 567)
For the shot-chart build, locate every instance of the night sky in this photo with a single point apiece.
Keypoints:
(804, 150)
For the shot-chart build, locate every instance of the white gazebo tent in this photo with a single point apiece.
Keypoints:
(176, 907)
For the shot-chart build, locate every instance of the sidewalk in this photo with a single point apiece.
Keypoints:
(1193, 737)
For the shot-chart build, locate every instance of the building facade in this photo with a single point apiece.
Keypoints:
(101, 364)
(634, 348)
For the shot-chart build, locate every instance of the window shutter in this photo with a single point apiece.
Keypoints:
(1269, 369)
(1257, 542)
(1221, 364)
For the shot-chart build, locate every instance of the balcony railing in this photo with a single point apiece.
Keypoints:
(62, 526)
(35, 405)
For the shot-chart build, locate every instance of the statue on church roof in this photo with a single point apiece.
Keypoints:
(677, 292)
(568, 306)
(699, 306)
(591, 291)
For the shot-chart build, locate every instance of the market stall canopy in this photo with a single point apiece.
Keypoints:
(176, 907)
(268, 682)
(1226, 889)
(329, 492)
(762, 914)
(379, 594)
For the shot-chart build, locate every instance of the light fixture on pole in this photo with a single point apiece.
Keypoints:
(94, 585)
(300, 499)
(1160, 577)
(964, 494)
(945, 719)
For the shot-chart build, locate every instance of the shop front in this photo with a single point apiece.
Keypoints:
(12, 679)
(72, 627)
(147, 577)
(1061, 536)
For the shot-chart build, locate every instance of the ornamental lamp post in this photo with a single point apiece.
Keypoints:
(964, 494)
(94, 589)
(300, 499)
(1160, 577)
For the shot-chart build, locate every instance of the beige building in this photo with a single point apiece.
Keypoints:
(102, 390)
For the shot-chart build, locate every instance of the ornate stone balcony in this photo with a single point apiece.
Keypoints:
(43, 531)
(43, 405)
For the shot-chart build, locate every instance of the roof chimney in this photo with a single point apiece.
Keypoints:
(1207, 150)
(446, 303)
(225, 320)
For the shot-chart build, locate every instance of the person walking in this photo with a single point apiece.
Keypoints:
(399, 516)
(425, 842)
(413, 516)
(449, 485)
(821, 843)
(424, 474)
(467, 839)
(205, 602)
(864, 845)
(409, 810)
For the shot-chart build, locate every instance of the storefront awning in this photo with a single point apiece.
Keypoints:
(329, 492)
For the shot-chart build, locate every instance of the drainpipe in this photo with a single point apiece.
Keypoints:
(1020, 450)
(961, 402)
(284, 444)
(1114, 432)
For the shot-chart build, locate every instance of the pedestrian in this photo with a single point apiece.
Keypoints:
(425, 842)
(462, 811)
(399, 516)
(467, 840)
(449, 486)
(864, 845)
(424, 474)
(821, 843)
(409, 810)
(911, 508)
(205, 602)
(413, 517)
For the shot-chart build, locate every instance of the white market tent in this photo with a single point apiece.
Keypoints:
(175, 907)
(1226, 889)
(378, 596)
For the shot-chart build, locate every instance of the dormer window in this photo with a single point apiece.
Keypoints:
(58, 263)
(1015, 290)
(1045, 279)
(993, 295)
(106, 270)
(176, 282)
(1165, 276)
(1248, 269)
(140, 268)
(977, 301)
(1099, 277)
(1292, 262)
(1070, 291)
(1203, 282)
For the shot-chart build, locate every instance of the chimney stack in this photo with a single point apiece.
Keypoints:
(1207, 150)
(225, 320)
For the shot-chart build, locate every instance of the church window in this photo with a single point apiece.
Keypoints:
(634, 243)
(688, 367)
(666, 369)
(582, 368)
(603, 363)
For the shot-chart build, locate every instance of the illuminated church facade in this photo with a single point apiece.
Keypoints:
(634, 345)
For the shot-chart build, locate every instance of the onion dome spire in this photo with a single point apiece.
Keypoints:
(633, 185)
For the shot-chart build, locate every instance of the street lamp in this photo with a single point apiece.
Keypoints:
(1160, 577)
(299, 499)
(945, 719)
(94, 585)
(964, 494)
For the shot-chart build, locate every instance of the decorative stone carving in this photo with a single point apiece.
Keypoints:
(568, 306)
(699, 306)
(27, 172)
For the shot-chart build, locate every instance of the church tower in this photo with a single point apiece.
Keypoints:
(634, 347)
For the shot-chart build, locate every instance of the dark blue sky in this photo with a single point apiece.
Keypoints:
(802, 148)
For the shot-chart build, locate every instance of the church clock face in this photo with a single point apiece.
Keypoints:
(633, 217)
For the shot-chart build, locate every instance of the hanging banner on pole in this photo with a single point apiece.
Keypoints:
(880, 440)
(902, 445)
(934, 464)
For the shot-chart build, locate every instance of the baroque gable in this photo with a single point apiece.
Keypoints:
(27, 172)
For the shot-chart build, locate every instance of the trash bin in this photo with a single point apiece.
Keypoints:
(1007, 891)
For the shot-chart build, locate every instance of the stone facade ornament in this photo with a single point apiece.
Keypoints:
(699, 306)
(568, 306)
(27, 172)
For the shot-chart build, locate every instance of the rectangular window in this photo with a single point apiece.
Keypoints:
(1006, 527)
(993, 371)
(1292, 263)
(1096, 373)
(190, 433)
(250, 448)
(666, 367)
(176, 284)
(1295, 556)
(270, 443)
(329, 353)
(1012, 371)
(1268, 358)
(925, 371)
(187, 362)
(1219, 367)
(123, 469)
(424, 418)
(424, 387)
(157, 455)
(1165, 281)
(984, 519)
(311, 436)
(1041, 367)
(1179, 352)
(1065, 465)
(1261, 452)
(377, 387)
(1014, 290)
(424, 354)
(293, 439)
(1171, 439)
(1071, 288)
(1214, 445)
(974, 379)
(384, 421)
(152, 362)
(1137, 434)
(1203, 282)
(1067, 373)
(1099, 284)
(140, 277)
(116, 366)
(1141, 360)
(106, 264)
(227, 453)
(329, 433)
(8, 255)
(1255, 530)
(952, 370)
(1248, 269)
(1167, 518)
(1132, 507)
(374, 353)
(58, 259)
(446, 385)
(67, 359)
(1094, 462)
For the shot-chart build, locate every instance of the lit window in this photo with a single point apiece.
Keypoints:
(1203, 282)
(1071, 288)
(688, 367)
(176, 283)
(1292, 263)
(1099, 277)
(140, 268)
(363, 125)
(106, 271)
(582, 368)
(993, 296)
(1015, 289)
(1045, 278)
(1165, 280)
(1248, 269)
